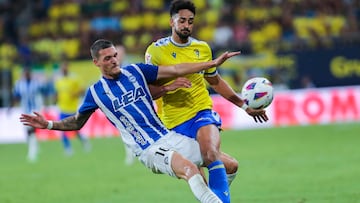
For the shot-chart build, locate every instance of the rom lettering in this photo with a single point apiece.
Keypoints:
(315, 106)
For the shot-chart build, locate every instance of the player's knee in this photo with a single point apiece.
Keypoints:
(183, 168)
(189, 170)
(211, 156)
(231, 166)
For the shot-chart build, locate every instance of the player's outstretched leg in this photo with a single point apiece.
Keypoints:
(209, 140)
(188, 171)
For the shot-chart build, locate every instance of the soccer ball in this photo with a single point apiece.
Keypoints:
(257, 92)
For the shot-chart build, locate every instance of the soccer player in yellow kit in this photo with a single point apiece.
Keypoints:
(68, 94)
(188, 111)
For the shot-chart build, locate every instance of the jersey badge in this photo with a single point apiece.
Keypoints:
(132, 79)
(173, 55)
(147, 58)
(197, 53)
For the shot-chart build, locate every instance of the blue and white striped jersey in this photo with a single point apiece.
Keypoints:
(127, 103)
(29, 92)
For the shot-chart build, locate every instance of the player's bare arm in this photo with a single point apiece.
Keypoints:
(159, 91)
(187, 68)
(223, 88)
(75, 122)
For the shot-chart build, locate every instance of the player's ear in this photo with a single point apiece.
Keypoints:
(95, 61)
(171, 22)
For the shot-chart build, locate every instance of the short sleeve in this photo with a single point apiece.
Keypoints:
(89, 104)
(151, 55)
(150, 72)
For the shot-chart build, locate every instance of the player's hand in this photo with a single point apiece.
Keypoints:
(223, 57)
(159, 91)
(259, 115)
(178, 83)
(36, 121)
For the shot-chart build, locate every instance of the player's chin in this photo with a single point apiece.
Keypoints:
(116, 70)
(115, 66)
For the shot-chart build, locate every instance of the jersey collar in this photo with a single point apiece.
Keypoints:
(179, 44)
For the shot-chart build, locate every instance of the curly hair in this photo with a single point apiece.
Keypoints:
(177, 5)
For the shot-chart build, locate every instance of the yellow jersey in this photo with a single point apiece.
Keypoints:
(180, 105)
(68, 90)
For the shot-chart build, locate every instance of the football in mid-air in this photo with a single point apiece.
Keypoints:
(257, 92)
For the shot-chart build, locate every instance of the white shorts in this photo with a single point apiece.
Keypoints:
(159, 155)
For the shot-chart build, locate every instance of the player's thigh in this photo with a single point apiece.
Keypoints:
(187, 147)
(208, 137)
(158, 159)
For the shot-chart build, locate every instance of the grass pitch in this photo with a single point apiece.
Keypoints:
(316, 164)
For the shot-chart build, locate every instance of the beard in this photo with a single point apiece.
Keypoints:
(183, 34)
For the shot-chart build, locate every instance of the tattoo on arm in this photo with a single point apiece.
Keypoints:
(75, 122)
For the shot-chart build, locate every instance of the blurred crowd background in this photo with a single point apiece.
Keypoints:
(43, 34)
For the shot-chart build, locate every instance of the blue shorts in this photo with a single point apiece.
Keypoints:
(202, 118)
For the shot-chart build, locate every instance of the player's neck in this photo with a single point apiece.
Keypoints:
(112, 76)
(180, 42)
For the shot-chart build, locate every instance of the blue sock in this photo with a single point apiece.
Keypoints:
(218, 180)
(66, 141)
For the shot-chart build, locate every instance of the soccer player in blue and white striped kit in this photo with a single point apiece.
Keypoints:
(28, 90)
(123, 96)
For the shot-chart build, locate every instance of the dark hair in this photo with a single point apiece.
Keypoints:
(99, 45)
(177, 5)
